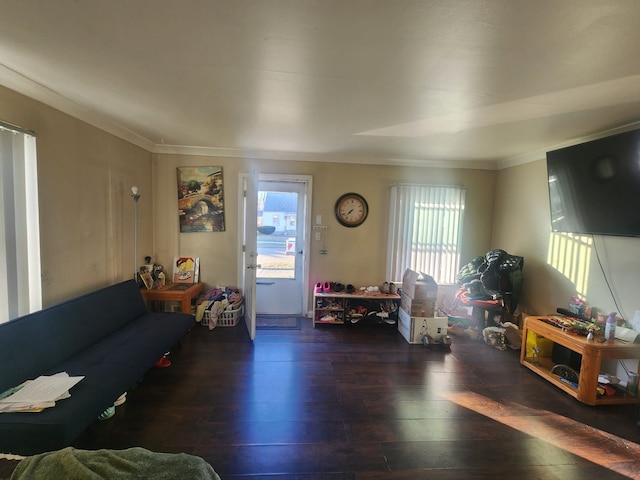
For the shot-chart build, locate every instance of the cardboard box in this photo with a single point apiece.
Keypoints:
(414, 328)
(418, 294)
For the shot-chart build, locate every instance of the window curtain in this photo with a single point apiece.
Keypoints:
(425, 231)
(20, 284)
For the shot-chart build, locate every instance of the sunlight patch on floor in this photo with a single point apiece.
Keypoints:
(596, 446)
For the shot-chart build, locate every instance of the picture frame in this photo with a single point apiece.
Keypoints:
(186, 270)
(147, 279)
(200, 199)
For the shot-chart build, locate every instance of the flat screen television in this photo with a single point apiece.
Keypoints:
(594, 187)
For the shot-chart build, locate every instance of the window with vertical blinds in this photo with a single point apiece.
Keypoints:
(20, 284)
(425, 231)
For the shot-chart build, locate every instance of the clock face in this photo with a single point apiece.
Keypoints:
(351, 210)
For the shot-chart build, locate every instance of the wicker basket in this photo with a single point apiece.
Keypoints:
(228, 318)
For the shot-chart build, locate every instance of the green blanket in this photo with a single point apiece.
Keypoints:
(132, 463)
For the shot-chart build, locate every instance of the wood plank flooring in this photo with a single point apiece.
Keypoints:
(358, 402)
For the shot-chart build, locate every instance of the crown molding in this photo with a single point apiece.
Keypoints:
(541, 154)
(30, 88)
(318, 157)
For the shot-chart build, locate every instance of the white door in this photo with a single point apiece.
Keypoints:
(247, 200)
(282, 239)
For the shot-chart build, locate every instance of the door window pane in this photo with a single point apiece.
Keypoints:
(277, 233)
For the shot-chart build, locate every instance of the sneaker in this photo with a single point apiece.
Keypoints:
(108, 413)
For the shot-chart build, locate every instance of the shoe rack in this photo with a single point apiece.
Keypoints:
(341, 308)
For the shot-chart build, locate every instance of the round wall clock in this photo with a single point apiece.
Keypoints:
(351, 209)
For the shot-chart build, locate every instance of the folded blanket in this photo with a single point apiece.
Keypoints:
(132, 463)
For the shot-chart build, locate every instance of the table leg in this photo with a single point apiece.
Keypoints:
(523, 348)
(186, 304)
(589, 371)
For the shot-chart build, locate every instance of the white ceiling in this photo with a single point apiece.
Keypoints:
(437, 82)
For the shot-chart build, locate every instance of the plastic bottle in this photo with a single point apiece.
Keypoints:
(610, 327)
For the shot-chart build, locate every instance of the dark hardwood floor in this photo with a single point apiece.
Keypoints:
(358, 402)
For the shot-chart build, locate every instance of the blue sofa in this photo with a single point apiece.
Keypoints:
(108, 336)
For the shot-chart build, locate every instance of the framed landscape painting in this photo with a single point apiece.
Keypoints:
(200, 199)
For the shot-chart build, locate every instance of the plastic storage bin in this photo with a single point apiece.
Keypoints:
(228, 318)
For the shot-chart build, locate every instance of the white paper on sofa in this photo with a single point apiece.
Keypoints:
(40, 393)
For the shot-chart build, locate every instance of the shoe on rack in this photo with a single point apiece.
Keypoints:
(326, 286)
(318, 287)
(350, 289)
(384, 288)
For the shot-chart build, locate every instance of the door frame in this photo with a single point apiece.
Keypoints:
(306, 260)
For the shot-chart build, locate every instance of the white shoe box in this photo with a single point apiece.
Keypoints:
(414, 328)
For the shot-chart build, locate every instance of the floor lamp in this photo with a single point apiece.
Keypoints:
(136, 197)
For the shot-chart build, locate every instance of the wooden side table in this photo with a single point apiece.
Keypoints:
(593, 352)
(174, 292)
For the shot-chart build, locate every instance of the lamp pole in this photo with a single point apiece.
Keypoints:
(136, 197)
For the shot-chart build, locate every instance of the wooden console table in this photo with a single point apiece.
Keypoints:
(592, 351)
(174, 292)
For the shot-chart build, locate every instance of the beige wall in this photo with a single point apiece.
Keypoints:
(355, 255)
(86, 217)
(86, 211)
(558, 267)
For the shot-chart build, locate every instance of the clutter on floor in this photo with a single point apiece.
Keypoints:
(485, 305)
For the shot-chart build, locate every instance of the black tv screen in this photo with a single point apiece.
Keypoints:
(594, 187)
